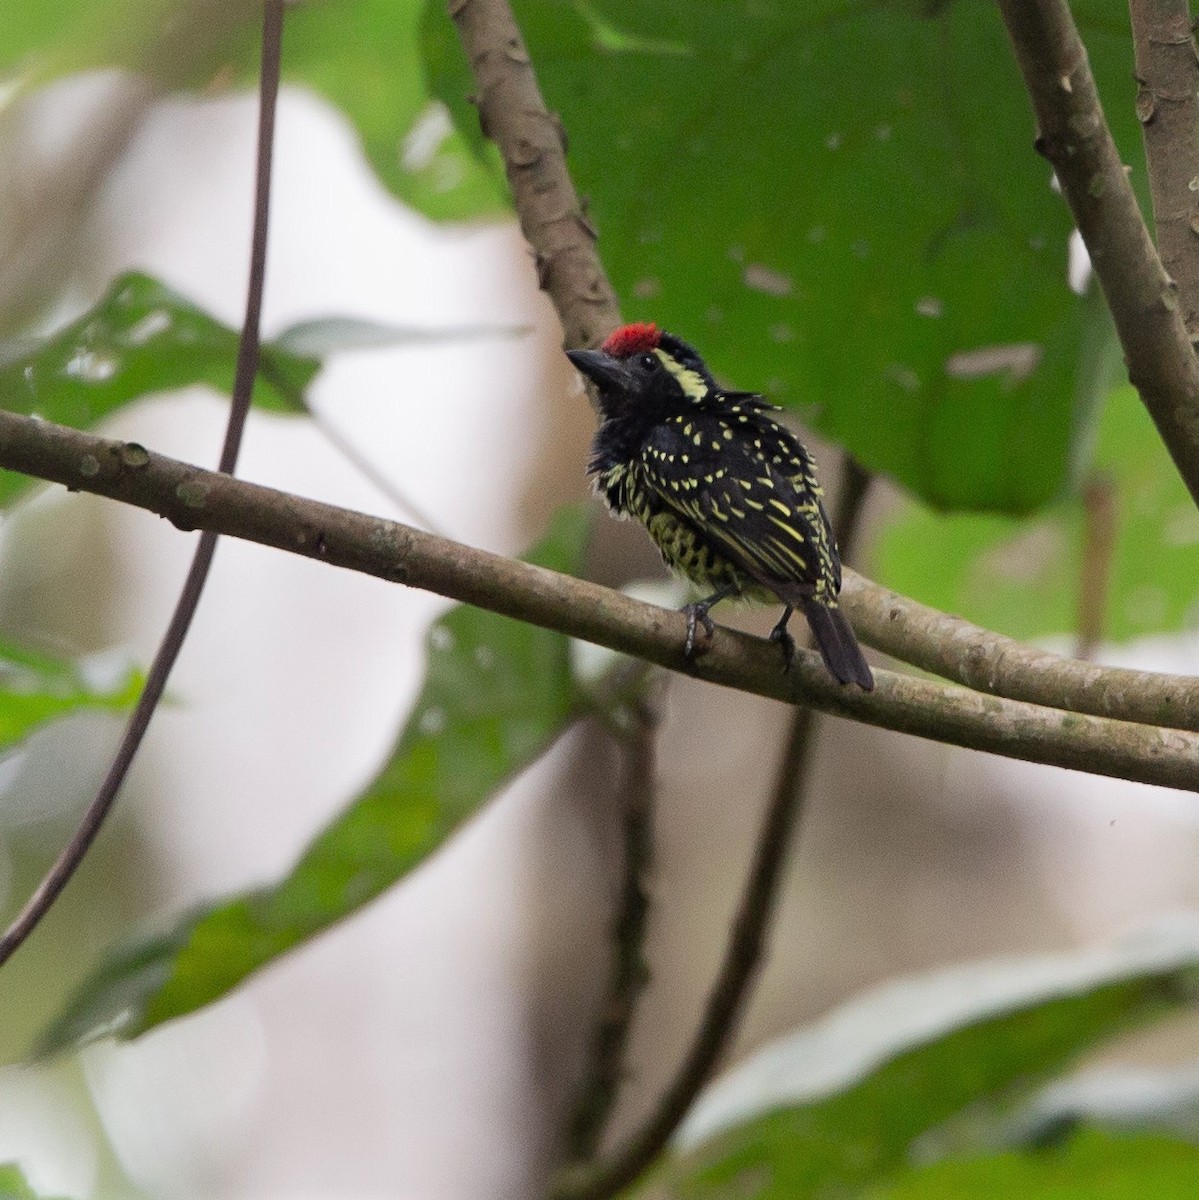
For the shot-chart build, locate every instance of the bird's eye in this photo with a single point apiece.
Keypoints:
(649, 361)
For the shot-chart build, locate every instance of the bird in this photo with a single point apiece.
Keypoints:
(728, 495)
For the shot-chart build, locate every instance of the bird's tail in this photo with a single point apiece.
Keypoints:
(837, 645)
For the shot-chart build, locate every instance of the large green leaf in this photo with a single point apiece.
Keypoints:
(496, 694)
(841, 1104)
(1023, 578)
(364, 56)
(36, 687)
(838, 202)
(139, 338)
(1091, 1166)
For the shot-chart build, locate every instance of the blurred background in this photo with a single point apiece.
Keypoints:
(428, 1046)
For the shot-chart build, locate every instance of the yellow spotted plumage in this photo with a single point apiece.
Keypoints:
(728, 495)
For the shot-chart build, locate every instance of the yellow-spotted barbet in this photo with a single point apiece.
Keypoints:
(728, 495)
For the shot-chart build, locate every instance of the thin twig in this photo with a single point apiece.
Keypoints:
(637, 737)
(73, 853)
(1099, 495)
(532, 142)
(193, 498)
(747, 940)
(1167, 70)
(367, 469)
(1074, 136)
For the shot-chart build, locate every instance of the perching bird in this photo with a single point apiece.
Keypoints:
(728, 495)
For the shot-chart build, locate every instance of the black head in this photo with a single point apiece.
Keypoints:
(640, 371)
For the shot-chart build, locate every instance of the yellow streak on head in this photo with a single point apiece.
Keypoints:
(692, 382)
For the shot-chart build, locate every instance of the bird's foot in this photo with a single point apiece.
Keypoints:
(697, 616)
(786, 641)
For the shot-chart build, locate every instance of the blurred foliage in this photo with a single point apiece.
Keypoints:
(1090, 1166)
(496, 694)
(13, 1185)
(138, 339)
(1128, 1098)
(839, 1107)
(141, 338)
(362, 55)
(840, 205)
(1023, 577)
(36, 687)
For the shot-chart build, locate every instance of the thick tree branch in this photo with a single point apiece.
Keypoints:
(1167, 69)
(990, 662)
(533, 144)
(1073, 135)
(193, 498)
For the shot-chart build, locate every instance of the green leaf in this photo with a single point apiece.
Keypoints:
(142, 338)
(496, 694)
(1022, 578)
(13, 1185)
(46, 40)
(1091, 1166)
(36, 687)
(364, 57)
(139, 338)
(889, 260)
(840, 1104)
(22, 712)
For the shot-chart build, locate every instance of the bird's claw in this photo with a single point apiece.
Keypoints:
(779, 634)
(697, 615)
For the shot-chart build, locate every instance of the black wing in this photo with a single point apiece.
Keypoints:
(748, 485)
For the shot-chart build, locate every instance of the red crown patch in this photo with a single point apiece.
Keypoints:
(632, 339)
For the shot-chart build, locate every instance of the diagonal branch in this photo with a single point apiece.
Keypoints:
(1074, 136)
(533, 144)
(1001, 666)
(1167, 69)
(193, 498)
